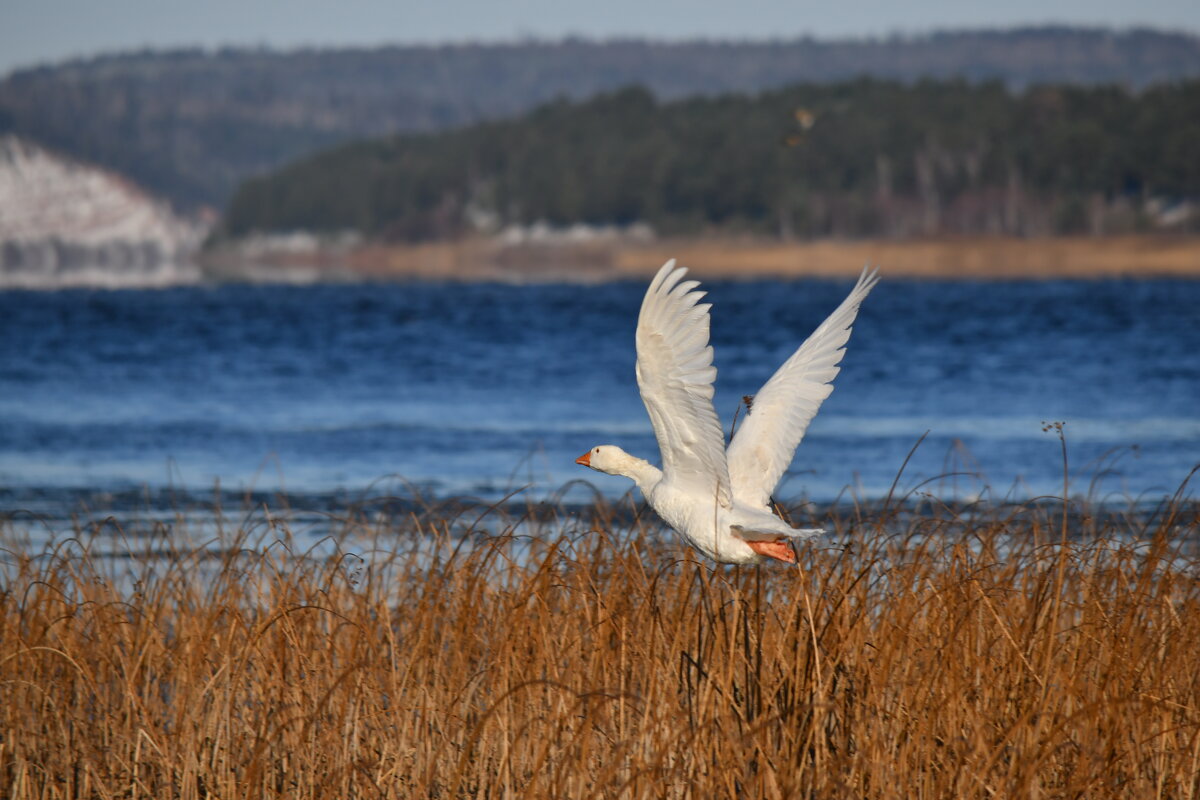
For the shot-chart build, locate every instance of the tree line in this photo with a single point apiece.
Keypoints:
(191, 124)
(855, 158)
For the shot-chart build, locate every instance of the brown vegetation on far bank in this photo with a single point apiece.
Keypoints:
(935, 654)
(990, 258)
(950, 258)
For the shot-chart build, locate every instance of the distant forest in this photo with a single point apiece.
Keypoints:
(191, 124)
(859, 158)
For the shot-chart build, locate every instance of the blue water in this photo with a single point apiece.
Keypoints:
(483, 389)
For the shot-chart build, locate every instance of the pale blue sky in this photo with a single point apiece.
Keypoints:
(38, 31)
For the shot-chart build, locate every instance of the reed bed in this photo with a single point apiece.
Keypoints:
(933, 652)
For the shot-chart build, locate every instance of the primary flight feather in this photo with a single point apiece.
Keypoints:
(717, 498)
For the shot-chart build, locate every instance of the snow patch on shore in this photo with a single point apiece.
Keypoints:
(64, 223)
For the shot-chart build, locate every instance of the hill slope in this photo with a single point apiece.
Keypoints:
(850, 159)
(191, 124)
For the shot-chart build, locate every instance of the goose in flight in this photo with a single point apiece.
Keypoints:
(718, 499)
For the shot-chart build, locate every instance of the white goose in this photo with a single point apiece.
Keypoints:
(719, 499)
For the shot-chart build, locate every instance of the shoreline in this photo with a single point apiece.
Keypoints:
(944, 258)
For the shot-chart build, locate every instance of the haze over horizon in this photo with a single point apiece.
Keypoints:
(35, 33)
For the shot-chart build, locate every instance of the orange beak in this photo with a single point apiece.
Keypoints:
(585, 459)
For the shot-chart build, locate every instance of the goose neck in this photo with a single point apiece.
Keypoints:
(643, 473)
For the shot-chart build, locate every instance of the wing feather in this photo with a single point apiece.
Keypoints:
(767, 439)
(675, 376)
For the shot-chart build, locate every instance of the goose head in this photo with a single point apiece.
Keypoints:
(607, 458)
(612, 460)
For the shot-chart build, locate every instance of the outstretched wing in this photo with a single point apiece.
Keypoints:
(767, 439)
(675, 377)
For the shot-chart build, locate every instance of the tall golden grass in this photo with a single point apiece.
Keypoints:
(941, 652)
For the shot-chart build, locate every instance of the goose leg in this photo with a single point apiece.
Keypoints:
(780, 549)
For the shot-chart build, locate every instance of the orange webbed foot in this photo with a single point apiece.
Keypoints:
(780, 549)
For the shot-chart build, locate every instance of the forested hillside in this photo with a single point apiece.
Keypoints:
(858, 158)
(191, 124)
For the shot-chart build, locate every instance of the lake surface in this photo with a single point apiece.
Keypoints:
(483, 389)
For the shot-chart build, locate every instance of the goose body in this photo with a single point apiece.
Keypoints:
(718, 498)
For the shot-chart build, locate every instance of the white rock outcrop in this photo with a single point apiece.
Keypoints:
(64, 223)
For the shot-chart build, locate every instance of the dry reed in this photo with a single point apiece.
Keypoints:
(950, 653)
(949, 258)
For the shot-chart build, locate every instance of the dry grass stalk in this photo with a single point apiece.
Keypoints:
(925, 655)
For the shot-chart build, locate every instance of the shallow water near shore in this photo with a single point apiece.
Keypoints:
(488, 389)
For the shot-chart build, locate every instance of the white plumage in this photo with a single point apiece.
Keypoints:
(718, 498)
